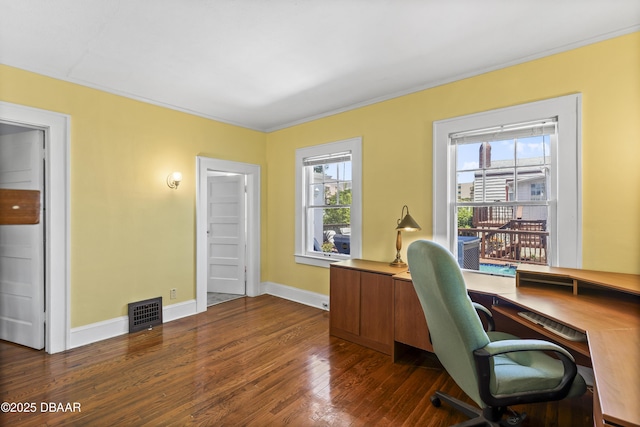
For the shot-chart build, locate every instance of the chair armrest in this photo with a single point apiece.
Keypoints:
(491, 324)
(483, 356)
(509, 346)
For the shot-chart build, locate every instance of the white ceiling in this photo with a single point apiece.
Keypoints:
(267, 64)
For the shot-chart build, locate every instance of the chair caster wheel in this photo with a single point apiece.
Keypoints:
(435, 401)
(515, 419)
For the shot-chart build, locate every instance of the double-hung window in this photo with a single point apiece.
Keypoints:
(507, 186)
(328, 202)
(503, 219)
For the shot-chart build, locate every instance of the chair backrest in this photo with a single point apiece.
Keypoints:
(455, 328)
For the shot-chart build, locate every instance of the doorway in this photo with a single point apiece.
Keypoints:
(22, 245)
(227, 230)
(226, 236)
(55, 127)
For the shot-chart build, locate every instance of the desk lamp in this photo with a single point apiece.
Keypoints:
(405, 223)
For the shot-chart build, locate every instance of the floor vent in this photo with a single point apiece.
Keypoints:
(145, 314)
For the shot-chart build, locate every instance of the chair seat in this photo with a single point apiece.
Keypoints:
(527, 371)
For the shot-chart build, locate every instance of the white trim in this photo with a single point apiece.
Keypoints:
(178, 310)
(203, 165)
(95, 332)
(565, 184)
(99, 331)
(354, 145)
(316, 261)
(57, 216)
(298, 295)
(117, 326)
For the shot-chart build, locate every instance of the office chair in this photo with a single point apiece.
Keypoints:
(494, 369)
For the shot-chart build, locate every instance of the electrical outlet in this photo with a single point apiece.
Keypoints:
(172, 293)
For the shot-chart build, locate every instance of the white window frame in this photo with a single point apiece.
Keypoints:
(565, 192)
(302, 256)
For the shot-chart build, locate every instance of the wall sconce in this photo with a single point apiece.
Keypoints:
(405, 223)
(173, 180)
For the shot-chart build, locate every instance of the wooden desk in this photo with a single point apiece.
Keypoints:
(361, 303)
(605, 306)
(576, 278)
(410, 325)
(614, 354)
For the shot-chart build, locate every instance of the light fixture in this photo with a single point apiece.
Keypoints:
(173, 180)
(405, 223)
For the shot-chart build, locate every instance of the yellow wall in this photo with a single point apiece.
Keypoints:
(132, 237)
(397, 153)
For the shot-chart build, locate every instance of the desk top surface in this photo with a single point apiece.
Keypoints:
(587, 312)
(480, 283)
(584, 312)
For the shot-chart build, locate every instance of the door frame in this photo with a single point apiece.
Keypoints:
(252, 172)
(56, 128)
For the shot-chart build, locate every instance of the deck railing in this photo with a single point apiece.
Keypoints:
(492, 216)
(508, 245)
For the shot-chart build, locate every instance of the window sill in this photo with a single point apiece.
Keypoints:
(319, 261)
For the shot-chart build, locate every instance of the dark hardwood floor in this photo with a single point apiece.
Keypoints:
(260, 361)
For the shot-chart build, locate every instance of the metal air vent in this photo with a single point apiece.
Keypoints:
(145, 314)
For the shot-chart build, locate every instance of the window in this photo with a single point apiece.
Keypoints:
(520, 170)
(328, 202)
(505, 223)
(537, 191)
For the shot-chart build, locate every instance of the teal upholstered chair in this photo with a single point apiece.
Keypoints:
(494, 369)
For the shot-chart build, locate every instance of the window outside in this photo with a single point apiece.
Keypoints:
(502, 209)
(329, 202)
(329, 195)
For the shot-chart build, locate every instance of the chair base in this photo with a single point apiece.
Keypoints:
(488, 417)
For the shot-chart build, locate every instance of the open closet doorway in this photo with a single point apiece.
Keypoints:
(226, 236)
(227, 231)
(22, 281)
(55, 175)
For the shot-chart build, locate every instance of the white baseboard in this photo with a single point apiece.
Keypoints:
(179, 310)
(106, 329)
(312, 299)
(99, 331)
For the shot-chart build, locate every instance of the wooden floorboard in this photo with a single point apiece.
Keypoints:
(260, 361)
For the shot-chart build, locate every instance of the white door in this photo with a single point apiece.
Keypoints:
(226, 234)
(22, 246)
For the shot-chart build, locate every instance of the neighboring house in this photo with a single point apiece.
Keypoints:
(509, 232)
(501, 187)
(465, 191)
